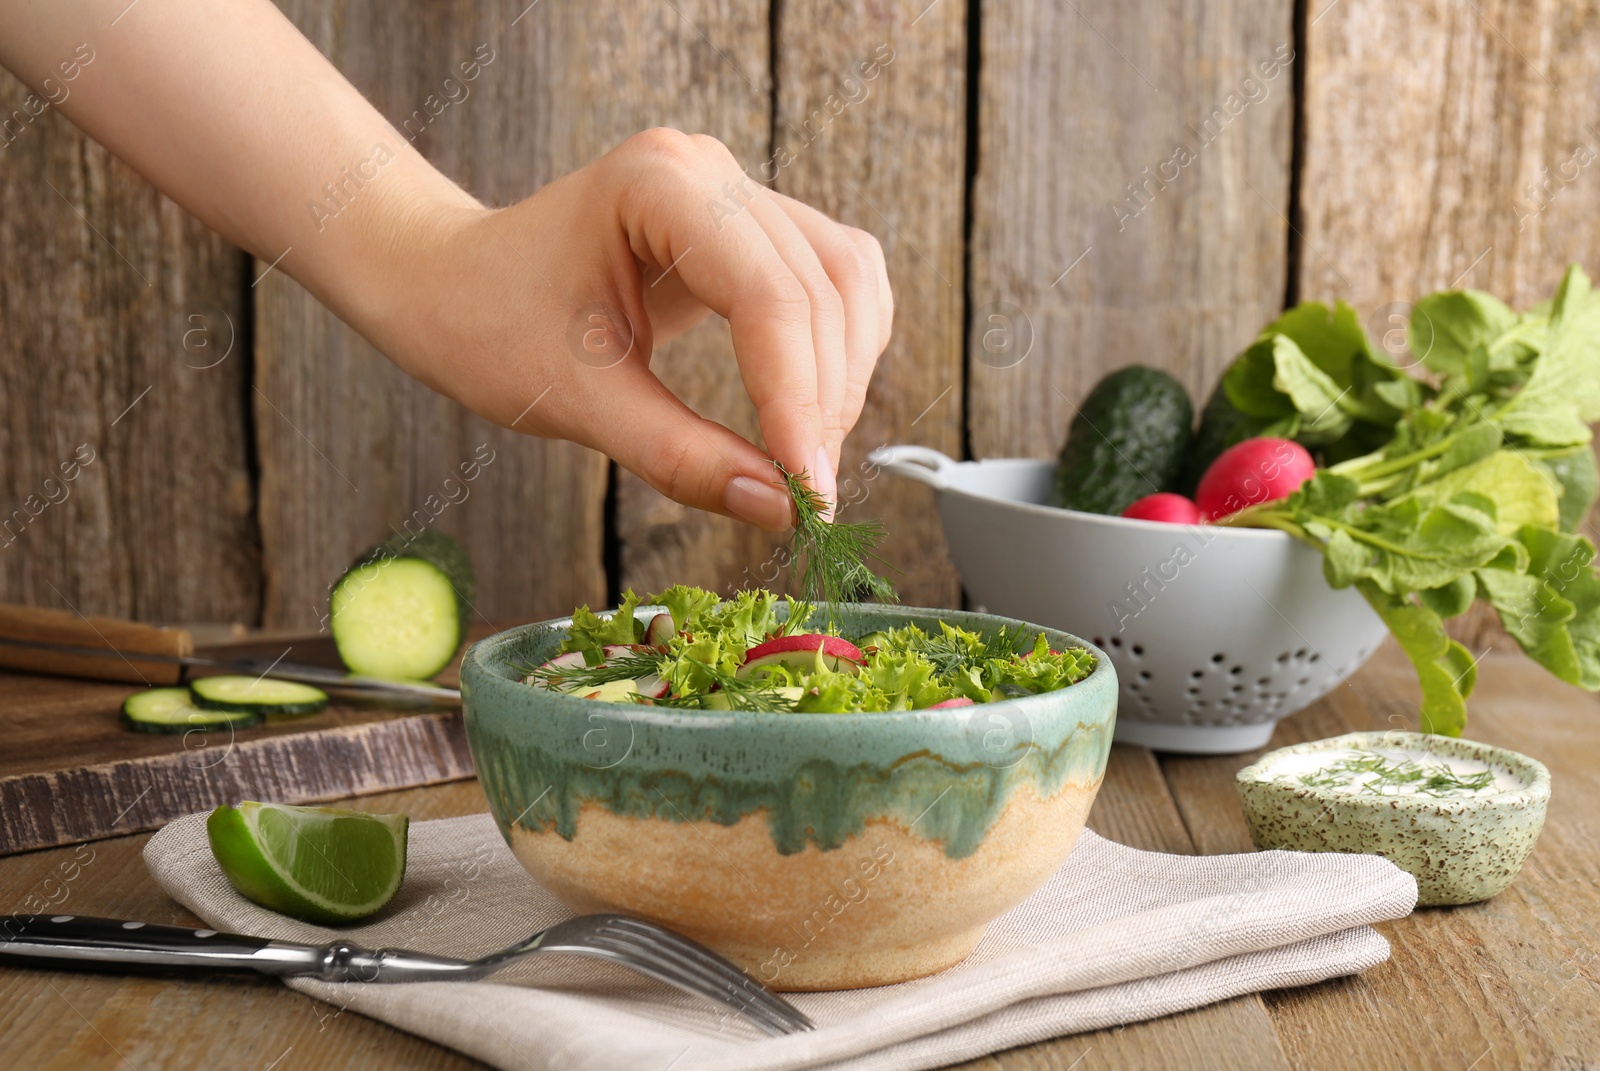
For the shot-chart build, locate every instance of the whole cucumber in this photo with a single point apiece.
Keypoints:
(1126, 441)
(1221, 425)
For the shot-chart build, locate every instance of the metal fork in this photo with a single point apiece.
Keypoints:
(75, 941)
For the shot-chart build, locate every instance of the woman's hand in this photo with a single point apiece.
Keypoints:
(542, 317)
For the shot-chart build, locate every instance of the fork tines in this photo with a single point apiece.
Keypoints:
(695, 967)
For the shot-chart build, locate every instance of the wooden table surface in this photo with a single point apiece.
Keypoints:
(1514, 982)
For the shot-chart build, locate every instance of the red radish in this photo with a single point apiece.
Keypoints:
(958, 701)
(806, 650)
(1166, 507)
(659, 632)
(652, 686)
(1252, 472)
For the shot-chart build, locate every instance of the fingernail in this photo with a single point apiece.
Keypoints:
(826, 481)
(763, 504)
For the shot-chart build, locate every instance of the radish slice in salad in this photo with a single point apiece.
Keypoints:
(613, 691)
(805, 651)
(659, 632)
(958, 701)
(570, 660)
(652, 687)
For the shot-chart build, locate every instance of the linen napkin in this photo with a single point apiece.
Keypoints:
(1118, 935)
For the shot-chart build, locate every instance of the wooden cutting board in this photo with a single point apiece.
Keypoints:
(69, 770)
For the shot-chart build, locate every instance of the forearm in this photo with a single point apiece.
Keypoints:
(227, 109)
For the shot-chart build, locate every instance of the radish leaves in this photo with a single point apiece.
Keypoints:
(1475, 493)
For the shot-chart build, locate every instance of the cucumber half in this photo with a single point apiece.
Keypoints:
(400, 612)
(257, 695)
(172, 710)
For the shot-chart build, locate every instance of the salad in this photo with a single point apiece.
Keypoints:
(701, 652)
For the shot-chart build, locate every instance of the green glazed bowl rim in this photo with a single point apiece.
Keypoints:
(1533, 773)
(486, 675)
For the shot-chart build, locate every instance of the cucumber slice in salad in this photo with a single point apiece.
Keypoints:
(400, 612)
(257, 695)
(172, 710)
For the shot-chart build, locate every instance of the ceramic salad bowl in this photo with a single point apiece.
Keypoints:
(819, 851)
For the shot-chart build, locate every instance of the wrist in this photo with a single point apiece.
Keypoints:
(373, 251)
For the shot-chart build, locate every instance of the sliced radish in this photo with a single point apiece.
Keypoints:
(807, 650)
(659, 632)
(652, 686)
(958, 701)
(617, 650)
(570, 660)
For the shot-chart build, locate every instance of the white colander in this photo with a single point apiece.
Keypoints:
(1216, 633)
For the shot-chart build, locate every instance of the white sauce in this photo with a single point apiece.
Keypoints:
(1323, 767)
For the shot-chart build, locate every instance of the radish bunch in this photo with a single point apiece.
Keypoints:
(1246, 474)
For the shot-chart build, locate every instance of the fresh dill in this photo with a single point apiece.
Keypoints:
(833, 558)
(629, 666)
(1389, 777)
(757, 693)
(956, 652)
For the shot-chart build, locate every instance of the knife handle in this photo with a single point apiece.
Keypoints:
(41, 625)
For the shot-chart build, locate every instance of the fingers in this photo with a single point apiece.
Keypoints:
(689, 459)
(854, 262)
(827, 332)
(791, 283)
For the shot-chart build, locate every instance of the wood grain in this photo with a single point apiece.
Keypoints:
(870, 128)
(1094, 244)
(702, 67)
(71, 772)
(1510, 982)
(125, 487)
(71, 1022)
(1477, 171)
(351, 449)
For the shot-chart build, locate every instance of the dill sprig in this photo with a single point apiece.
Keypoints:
(757, 693)
(954, 653)
(833, 557)
(1393, 776)
(632, 665)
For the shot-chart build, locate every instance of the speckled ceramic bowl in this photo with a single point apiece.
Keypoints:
(1460, 850)
(819, 851)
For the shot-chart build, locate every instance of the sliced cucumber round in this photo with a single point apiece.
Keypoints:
(257, 695)
(400, 612)
(172, 710)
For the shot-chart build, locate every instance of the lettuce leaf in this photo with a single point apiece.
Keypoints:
(590, 632)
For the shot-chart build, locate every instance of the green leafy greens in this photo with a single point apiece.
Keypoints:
(1476, 487)
(703, 664)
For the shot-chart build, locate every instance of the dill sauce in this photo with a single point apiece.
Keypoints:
(1392, 772)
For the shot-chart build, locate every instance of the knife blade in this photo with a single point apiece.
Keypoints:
(321, 676)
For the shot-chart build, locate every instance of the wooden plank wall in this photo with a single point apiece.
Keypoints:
(1060, 190)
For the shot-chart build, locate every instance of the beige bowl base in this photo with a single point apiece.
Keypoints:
(887, 906)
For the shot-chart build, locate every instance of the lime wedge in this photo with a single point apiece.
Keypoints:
(320, 864)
